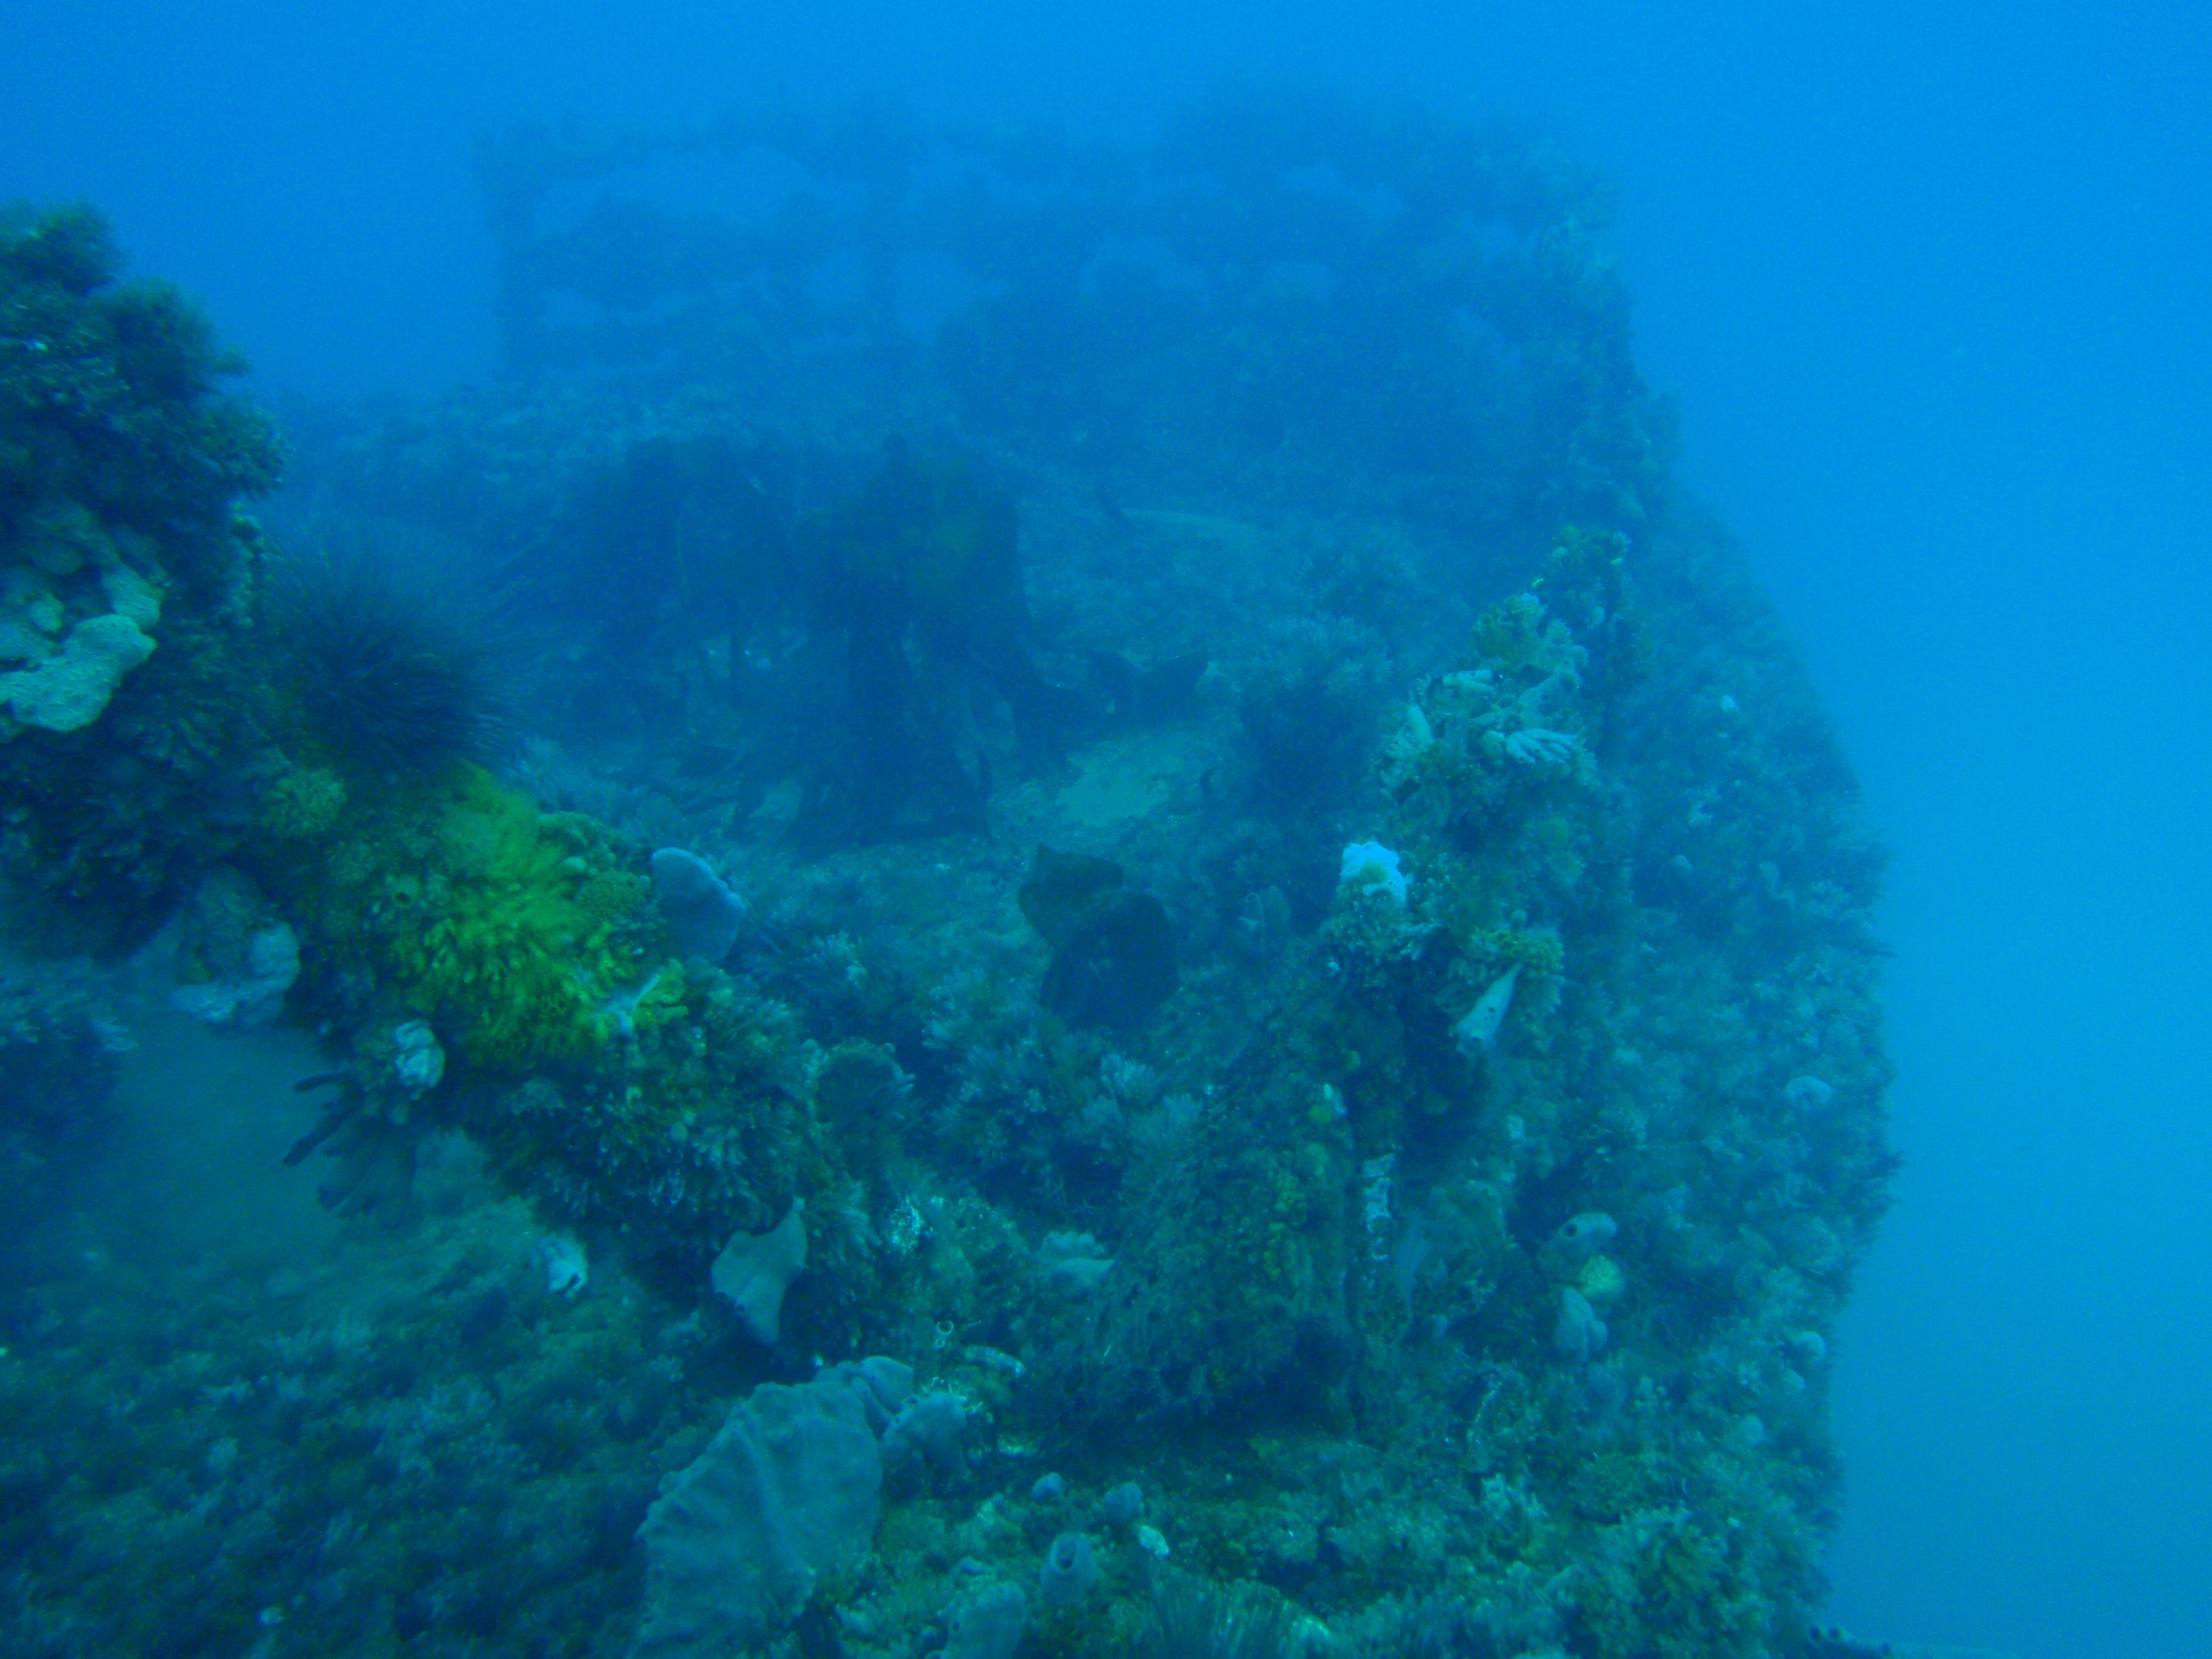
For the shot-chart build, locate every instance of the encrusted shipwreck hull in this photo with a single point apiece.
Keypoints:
(1261, 913)
(1467, 1328)
(1535, 1323)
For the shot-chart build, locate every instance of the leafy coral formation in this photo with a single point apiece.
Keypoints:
(125, 578)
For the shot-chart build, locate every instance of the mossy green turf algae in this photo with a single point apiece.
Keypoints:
(514, 931)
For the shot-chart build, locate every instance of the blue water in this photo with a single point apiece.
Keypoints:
(1929, 283)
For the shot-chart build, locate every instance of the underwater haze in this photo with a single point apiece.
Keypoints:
(1018, 927)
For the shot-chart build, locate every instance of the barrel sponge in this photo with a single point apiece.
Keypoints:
(788, 1489)
(70, 688)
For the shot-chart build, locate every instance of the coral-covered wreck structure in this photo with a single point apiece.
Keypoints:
(1152, 946)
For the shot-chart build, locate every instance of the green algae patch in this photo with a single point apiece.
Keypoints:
(516, 933)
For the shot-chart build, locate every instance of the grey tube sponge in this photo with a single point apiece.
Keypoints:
(1071, 1264)
(1575, 1240)
(1070, 1571)
(1579, 1335)
(986, 1623)
(754, 1269)
(702, 914)
(884, 1385)
(1477, 1029)
(1124, 1506)
(933, 1425)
